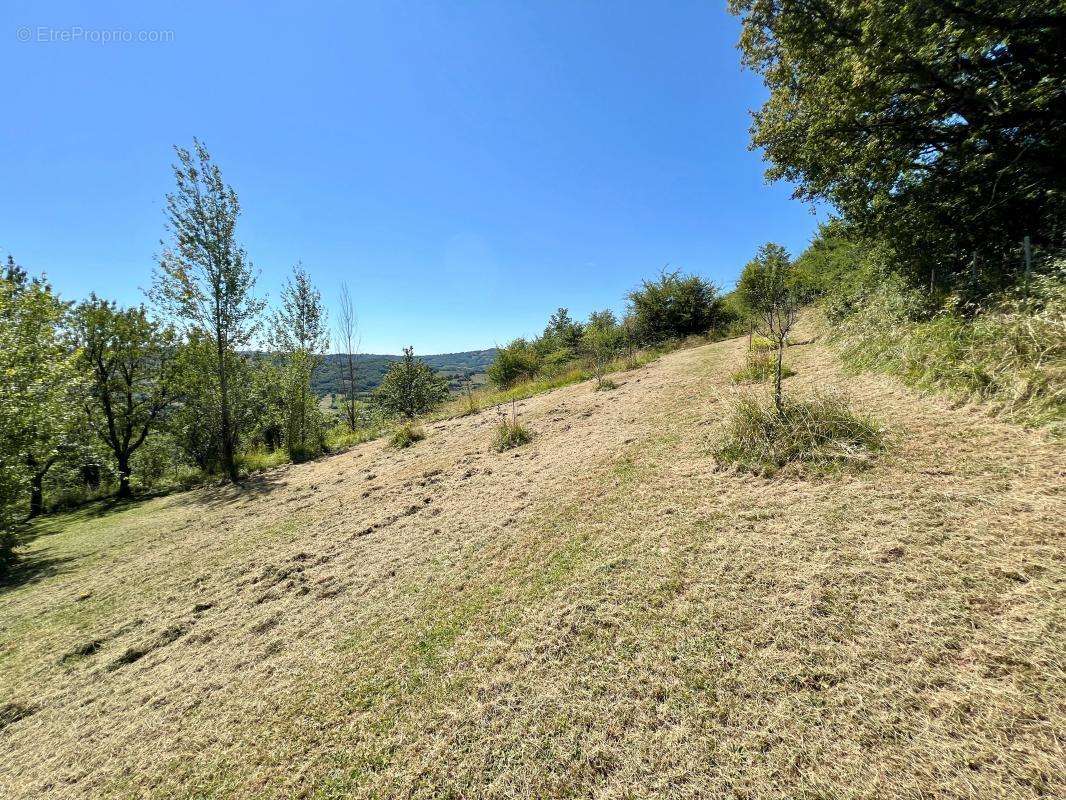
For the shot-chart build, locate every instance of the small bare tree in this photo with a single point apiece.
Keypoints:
(349, 339)
(770, 290)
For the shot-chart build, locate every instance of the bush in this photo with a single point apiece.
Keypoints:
(410, 387)
(820, 434)
(760, 368)
(406, 435)
(674, 306)
(8, 541)
(517, 362)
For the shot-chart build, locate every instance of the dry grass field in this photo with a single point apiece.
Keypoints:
(603, 612)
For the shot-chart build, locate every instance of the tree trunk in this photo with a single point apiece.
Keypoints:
(228, 459)
(777, 375)
(37, 494)
(124, 491)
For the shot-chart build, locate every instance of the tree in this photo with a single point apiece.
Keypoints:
(563, 332)
(601, 340)
(349, 338)
(300, 333)
(674, 306)
(38, 404)
(410, 387)
(939, 124)
(205, 279)
(516, 362)
(129, 360)
(771, 293)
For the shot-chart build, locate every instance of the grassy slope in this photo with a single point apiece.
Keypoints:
(598, 613)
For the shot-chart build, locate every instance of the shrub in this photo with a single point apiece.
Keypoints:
(8, 541)
(410, 387)
(406, 435)
(760, 368)
(820, 434)
(674, 306)
(518, 361)
(605, 384)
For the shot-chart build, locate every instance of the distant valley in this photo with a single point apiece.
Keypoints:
(370, 369)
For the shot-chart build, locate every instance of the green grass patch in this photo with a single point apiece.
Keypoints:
(510, 434)
(760, 367)
(406, 435)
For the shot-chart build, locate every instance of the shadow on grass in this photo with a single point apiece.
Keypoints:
(222, 493)
(33, 568)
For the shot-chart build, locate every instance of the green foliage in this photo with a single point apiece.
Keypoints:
(561, 334)
(129, 361)
(38, 405)
(518, 361)
(410, 388)
(206, 281)
(406, 434)
(760, 367)
(938, 126)
(1009, 353)
(770, 291)
(674, 306)
(601, 341)
(819, 435)
(300, 335)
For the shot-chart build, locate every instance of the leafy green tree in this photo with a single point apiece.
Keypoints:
(38, 409)
(205, 279)
(674, 306)
(300, 334)
(129, 361)
(601, 340)
(562, 332)
(771, 292)
(516, 362)
(410, 387)
(939, 124)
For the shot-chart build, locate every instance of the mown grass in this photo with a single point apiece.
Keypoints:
(820, 434)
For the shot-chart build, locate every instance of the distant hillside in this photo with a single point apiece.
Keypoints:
(370, 369)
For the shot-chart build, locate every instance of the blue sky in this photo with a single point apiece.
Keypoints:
(467, 167)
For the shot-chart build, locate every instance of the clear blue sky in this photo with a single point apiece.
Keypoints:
(466, 166)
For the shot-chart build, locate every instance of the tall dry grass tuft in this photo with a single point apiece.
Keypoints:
(1010, 355)
(820, 434)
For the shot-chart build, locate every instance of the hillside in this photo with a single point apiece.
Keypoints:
(601, 613)
(370, 369)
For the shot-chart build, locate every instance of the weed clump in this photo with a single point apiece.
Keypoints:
(822, 434)
(759, 368)
(406, 435)
(606, 384)
(510, 432)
